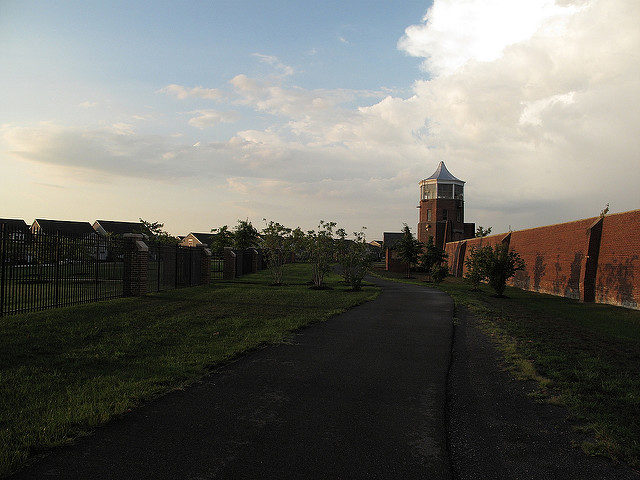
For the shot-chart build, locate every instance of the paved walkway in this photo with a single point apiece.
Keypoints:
(359, 396)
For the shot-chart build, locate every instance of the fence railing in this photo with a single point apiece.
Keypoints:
(217, 266)
(175, 266)
(43, 271)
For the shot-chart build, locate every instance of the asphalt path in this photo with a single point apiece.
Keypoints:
(361, 395)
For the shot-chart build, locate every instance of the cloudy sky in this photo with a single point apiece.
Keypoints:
(199, 113)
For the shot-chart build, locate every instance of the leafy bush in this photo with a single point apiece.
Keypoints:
(320, 250)
(277, 243)
(496, 265)
(475, 264)
(439, 272)
(354, 257)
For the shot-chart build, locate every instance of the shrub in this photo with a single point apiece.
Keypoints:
(475, 266)
(499, 264)
(354, 257)
(439, 272)
(276, 241)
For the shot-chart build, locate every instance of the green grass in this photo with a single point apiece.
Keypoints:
(67, 370)
(583, 355)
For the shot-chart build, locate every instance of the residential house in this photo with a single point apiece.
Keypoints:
(197, 239)
(110, 227)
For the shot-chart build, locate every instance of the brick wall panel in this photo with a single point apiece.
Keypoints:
(554, 256)
(618, 272)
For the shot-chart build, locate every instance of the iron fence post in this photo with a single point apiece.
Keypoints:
(175, 280)
(190, 265)
(3, 269)
(56, 257)
(97, 267)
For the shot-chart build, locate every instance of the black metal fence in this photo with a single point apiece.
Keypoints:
(40, 271)
(173, 266)
(217, 266)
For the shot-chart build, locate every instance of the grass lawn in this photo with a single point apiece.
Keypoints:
(66, 370)
(583, 355)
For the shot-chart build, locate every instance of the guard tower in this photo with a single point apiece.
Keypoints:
(442, 209)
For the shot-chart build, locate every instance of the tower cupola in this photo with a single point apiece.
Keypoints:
(442, 208)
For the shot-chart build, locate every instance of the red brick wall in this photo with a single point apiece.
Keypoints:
(554, 257)
(618, 272)
(451, 249)
(393, 263)
(491, 241)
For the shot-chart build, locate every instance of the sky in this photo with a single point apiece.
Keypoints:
(196, 114)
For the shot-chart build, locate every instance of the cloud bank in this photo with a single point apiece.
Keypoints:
(534, 105)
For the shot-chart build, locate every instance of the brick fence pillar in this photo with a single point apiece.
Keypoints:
(136, 258)
(229, 270)
(590, 262)
(459, 263)
(205, 265)
(254, 260)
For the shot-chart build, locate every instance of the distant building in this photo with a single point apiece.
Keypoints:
(197, 239)
(442, 209)
(110, 227)
(392, 260)
(14, 226)
(63, 227)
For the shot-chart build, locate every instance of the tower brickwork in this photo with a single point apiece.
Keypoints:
(442, 209)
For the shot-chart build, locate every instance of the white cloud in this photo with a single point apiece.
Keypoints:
(539, 121)
(454, 32)
(285, 70)
(211, 118)
(182, 92)
(88, 104)
(122, 128)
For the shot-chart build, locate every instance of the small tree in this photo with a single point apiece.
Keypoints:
(475, 266)
(222, 237)
(320, 248)
(354, 257)
(439, 272)
(155, 232)
(481, 232)
(276, 241)
(245, 235)
(299, 242)
(432, 257)
(408, 248)
(499, 265)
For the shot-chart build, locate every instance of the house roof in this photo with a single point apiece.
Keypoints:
(119, 228)
(205, 238)
(442, 173)
(65, 227)
(14, 224)
(391, 239)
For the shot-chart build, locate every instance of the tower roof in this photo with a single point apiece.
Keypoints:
(442, 173)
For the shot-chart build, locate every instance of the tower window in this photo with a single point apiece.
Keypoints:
(428, 191)
(445, 190)
(459, 215)
(428, 215)
(444, 214)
